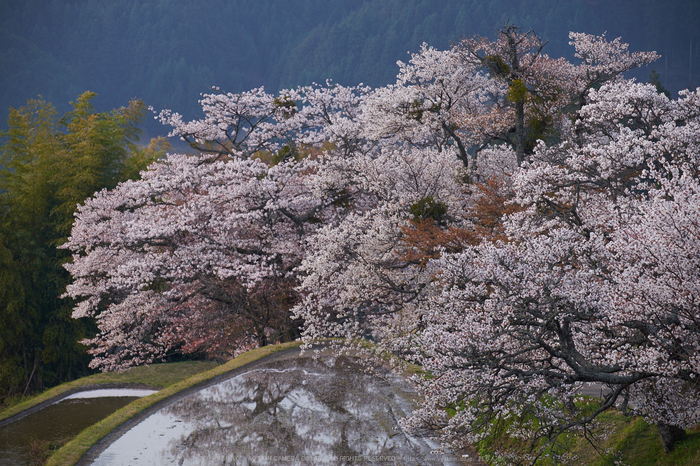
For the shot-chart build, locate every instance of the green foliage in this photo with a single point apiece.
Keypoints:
(538, 127)
(429, 208)
(614, 439)
(286, 106)
(158, 284)
(655, 79)
(415, 110)
(496, 65)
(634, 442)
(517, 92)
(142, 156)
(288, 152)
(47, 167)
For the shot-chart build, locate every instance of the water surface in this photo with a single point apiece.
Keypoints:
(294, 410)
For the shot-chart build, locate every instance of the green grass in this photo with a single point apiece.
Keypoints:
(620, 440)
(636, 443)
(156, 375)
(71, 452)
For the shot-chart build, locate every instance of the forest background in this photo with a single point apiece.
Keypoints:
(166, 53)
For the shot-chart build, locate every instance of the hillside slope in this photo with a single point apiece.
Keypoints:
(167, 52)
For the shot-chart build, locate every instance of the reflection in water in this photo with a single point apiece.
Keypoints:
(111, 392)
(290, 411)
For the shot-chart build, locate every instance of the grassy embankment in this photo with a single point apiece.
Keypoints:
(620, 440)
(155, 375)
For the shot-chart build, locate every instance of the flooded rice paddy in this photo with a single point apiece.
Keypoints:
(60, 421)
(290, 411)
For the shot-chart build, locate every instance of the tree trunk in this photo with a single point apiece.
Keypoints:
(463, 155)
(262, 338)
(670, 435)
(29, 381)
(520, 132)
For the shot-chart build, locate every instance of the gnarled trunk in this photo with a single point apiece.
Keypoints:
(670, 435)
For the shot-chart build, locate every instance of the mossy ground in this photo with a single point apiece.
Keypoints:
(634, 442)
(618, 440)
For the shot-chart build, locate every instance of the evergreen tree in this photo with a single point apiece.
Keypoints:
(47, 167)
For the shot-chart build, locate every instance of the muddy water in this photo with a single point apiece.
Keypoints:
(54, 423)
(296, 411)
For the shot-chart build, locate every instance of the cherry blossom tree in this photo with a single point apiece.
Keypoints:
(656, 287)
(538, 90)
(189, 235)
(203, 247)
(518, 225)
(593, 285)
(513, 324)
(433, 91)
(425, 112)
(236, 124)
(362, 271)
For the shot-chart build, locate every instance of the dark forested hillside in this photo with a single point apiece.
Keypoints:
(166, 52)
